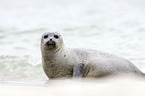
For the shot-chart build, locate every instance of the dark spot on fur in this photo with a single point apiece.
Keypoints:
(83, 65)
(52, 65)
(64, 55)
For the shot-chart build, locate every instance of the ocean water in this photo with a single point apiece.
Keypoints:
(114, 26)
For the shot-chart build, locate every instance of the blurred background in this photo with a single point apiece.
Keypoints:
(114, 26)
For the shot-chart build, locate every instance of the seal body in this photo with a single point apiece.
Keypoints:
(61, 62)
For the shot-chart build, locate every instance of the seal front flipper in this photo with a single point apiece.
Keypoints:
(80, 71)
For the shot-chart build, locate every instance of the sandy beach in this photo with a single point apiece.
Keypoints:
(118, 86)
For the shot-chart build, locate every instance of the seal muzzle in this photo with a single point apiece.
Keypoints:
(50, 43)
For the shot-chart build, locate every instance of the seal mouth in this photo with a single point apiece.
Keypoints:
(51, 43)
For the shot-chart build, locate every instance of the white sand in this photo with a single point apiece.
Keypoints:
(104, 87)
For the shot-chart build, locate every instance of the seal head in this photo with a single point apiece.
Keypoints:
(51, 41)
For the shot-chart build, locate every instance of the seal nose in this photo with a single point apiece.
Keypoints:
(50, 39)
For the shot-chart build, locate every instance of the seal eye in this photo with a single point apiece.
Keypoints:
(56, 36)
(45, 36)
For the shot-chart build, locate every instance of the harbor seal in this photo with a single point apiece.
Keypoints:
(58, 61)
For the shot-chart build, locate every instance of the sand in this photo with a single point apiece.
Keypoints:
(118, 86)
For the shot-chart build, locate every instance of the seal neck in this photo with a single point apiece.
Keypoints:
(50, 52)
